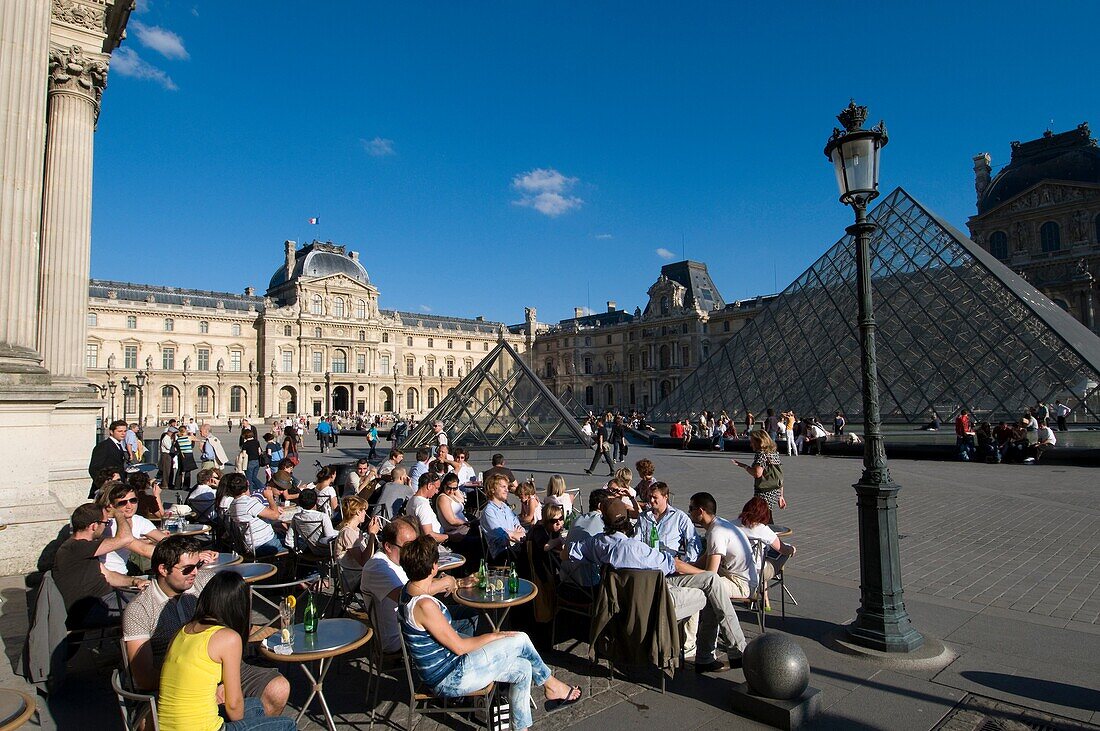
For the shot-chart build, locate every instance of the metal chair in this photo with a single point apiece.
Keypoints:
(134, 707)
(755, 601)
(379, 661)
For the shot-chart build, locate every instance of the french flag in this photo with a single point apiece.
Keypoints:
(313, 221)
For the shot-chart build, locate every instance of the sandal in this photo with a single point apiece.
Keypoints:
(558, 703)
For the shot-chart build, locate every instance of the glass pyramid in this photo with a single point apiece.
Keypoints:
(956, 328)
(501, 403)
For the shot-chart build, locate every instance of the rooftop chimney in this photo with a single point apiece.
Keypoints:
(354, 255)
(982, 172)
(290, 246)
(578, 312)
(611, 305)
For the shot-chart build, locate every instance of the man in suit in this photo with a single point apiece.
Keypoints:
(109, 453)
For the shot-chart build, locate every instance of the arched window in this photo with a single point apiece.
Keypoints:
(361, 309)
(432, 396)
(998, 245)
(338, 307)
(130, 400)
(469, 345)
(204, 400)
(93, 319)
(385, 337)
(131, 321)
(204, 327)
(236, 400)
(317, 332)
(167, 400)
(410, 399)
(339, 361)
(362, 336)
(1050, 236)
(431, 342)
(287, 331)
(450, 344)
(409, 341)
(588, 395)
(316, 305)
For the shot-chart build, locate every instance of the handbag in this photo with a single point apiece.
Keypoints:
(242, 461)
(772, 479)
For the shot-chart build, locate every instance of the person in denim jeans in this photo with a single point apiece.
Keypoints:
(453, 665)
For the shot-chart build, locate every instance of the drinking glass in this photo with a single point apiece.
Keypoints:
(286, 625)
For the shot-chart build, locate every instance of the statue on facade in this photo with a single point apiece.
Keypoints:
(149, 363)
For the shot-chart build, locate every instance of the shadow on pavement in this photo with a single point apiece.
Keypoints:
(1048, 691)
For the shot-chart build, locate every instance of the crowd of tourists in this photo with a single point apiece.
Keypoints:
(1021, 442)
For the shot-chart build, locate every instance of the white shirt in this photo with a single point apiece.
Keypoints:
(116, 560)
(565, 500)
(726, 540)
(315, 527)
(421, 508)
(466, 474)
(1061, 410)
(1046, 436)
(760, 532)
(246, 510)
(380, 577)
(324, 499)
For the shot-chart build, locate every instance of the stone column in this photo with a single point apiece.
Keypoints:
(76, 82)
(24, 38)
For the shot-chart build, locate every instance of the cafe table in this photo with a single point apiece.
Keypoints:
(189, 529)
(224, 559)
(448, 561)
(250, 572)
(495, 607)
(334, 637)
(781, 530)
(16, 708)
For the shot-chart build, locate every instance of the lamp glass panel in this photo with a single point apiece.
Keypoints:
(859, 164)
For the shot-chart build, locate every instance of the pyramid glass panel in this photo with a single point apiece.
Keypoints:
(956, 329)
(501, 403)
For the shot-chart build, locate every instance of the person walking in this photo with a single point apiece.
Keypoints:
(324, 434)
(964, 435)
(602, 449)
(766, 470)
(372, 440)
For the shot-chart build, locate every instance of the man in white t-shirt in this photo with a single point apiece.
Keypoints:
(1044, 440)
(439, 437)
(383, 579)
(419, 507)
(728, 551)
(146, 535)
(314, 526)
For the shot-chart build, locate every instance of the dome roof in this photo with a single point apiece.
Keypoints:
(321, 260)
(1070, 156)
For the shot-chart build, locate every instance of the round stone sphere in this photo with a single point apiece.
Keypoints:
(776, 667)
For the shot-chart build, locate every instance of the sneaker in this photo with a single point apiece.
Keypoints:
(1029, 460)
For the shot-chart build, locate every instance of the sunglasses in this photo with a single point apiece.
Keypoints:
(121, 503)
(191, 568)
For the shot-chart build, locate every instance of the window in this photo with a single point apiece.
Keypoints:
(169, 325)
(287, 332)
(129, 400)
(1050, 236)
(384, 364)
(131, 323)
(316, 305)
(431, 342)
(726, 326)
(338, 307)
(685, 356)
(385, 337)
(236, 399)
(645, 360)
(339, 361)
(318, 361)
(706, 350)
(432, 396)
(450, 344)
(1097, 227)
(588, 395)
(468, 364)
(204, 359)
(609, 340)
(362, 336)
(361, 309)
(168, 359)
(288, 361)
(409, 342)
(361, 363)
(317, 333)
(204, 327)
(450, 368)
(633, 361)
(204, 400)
(485, 345)
(588, 366)
(587, 341)
(168, 400)
(235, 330)
(609, 361)
(684, 328)
(549, 367)
(633, 400)
(235, 360)
(129, 356)
(431, 366)
(469, 345)
(91, 355)
(93, 319)
(410, 399)
(664, 307)
(998, 245)
(409, 365)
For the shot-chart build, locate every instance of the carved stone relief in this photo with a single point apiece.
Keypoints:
(74, 13)
(71, 70)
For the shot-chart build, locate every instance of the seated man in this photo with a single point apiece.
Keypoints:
(589, 525)
(691, 588)
(421, 467)
(419, 507)
(395, 458)
(498, 468)
(674, 528)
(393, 496)
(124, 501)
(202, 498)
(87, 587)
(358, 478)
(152, 619)
(499, 525)
(314, 526)
(728, 553)
(1044, 440)
(383, 579)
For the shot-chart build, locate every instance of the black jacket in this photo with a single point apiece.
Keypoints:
(106, 454)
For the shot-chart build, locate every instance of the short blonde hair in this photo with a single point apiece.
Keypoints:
(556, 486)
(761, 442)
(525, 490)
(625, 475)
(552, 512)
(351, 506)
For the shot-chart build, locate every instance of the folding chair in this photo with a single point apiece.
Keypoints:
(778, 561)
(755, 601)
(134, 707)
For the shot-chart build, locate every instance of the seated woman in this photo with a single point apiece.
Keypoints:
(326, 491)
(206, 653)
(148, 495)
(556, 494)
(546, 540)
(530, 507)
(450, 506)
(354, 545)
(453, 665)
(753, 522)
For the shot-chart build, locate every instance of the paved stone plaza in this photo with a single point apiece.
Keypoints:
(1001, 562)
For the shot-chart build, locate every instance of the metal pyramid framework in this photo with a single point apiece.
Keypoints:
(956, 328)
(501, 403)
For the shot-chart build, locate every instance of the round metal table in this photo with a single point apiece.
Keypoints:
(250, 572)
(190, 529)
(16, 707)
(496, 609)
(224, 559)
(448, 561)
(333, 637)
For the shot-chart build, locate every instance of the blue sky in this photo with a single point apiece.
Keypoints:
(483, 157)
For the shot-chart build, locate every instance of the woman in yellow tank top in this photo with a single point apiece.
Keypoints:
(205, 652)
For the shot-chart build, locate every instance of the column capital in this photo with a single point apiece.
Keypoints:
(72, 70)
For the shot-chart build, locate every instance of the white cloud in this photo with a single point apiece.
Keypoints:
(378, 147)
(546, 190)
(425, 308)
(665, 253)
(161, 40)
(604, 237)
(127, 62)
(195, 11)
(142, 6)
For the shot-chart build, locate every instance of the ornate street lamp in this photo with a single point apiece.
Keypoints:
(125, 382)
(141, 376)
(881, 621)
(111, 386)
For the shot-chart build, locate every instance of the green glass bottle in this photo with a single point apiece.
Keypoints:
(482, 576)
(654, 537)
(513, 579)
(309, 616)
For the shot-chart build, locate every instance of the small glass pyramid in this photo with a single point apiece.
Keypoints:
(501, 403)
(956, 328)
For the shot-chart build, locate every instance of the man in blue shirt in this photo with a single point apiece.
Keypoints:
(421, 467)
(589, 525)
(324, 433)
(674, 527)
(499, 524)
(692, 590)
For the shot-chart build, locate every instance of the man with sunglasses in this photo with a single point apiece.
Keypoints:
(152, 619)
(123, 501)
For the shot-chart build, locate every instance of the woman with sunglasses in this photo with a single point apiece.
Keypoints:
(207, 652)
(120, 498)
